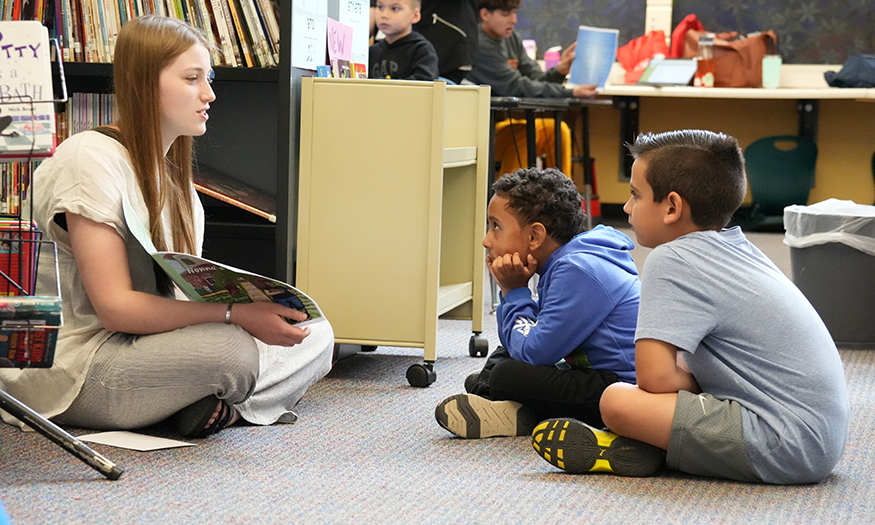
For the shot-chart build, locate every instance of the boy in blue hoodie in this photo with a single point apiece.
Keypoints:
(558, 354)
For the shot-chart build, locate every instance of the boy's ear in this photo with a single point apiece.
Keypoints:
(675, 208)
(537, 235)
(417, 15)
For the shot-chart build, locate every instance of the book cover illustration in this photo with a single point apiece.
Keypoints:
(593, 57)
(323, 71)
(204, 280)
(27, 113)
(341, 68)
(360, 70)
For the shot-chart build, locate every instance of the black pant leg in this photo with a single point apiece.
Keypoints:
(481, 387)
(551, 392)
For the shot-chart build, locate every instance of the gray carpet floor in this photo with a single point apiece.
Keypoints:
(367, 450)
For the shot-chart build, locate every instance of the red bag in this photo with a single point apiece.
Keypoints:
(636, 55)
(738, 62)
(677, 36)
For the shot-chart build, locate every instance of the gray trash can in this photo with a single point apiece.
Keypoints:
(832, 256)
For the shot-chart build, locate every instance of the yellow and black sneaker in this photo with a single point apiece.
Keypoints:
(474, 417)
(576, 447)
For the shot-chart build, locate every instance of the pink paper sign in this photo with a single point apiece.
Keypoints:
(339, 40)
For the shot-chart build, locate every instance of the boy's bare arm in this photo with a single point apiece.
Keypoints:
(656, 364)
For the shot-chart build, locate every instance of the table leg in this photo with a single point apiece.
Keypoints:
(557, 134)
(531, 139)
(587, 166)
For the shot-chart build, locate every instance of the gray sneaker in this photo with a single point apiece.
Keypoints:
(474, 417)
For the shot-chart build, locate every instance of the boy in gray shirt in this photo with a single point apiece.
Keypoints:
(738, 377)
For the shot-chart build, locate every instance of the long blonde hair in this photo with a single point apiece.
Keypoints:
(145, 46)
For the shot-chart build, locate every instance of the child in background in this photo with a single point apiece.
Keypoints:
(560, 353)
(738, 377)
(502, 61)
(403, 54)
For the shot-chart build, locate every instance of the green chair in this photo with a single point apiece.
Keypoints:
(780, 171)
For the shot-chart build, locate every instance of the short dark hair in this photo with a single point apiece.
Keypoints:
(492, 5)
(545, 196)
(703, 167)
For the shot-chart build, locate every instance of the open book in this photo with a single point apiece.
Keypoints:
(208, 281)
(593, 57)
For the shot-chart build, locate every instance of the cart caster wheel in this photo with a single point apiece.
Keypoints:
(478, 346)
(421, 376)
(368, 348)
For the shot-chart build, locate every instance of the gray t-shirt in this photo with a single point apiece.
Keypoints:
(750, 335)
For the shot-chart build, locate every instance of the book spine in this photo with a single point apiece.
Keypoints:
(224, 39)
(229, 24)
(114, 16)
(269, 16)
(64, 36)
(256, 34)
(100, 29)
(78, 33)
(206, 20)
(241, 33)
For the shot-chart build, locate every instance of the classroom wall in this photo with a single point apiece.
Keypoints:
(845, 138)
(809, 31)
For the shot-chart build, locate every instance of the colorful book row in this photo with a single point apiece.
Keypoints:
(246, 32)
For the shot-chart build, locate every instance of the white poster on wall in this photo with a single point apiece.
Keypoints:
(357, 15)
(309, 33)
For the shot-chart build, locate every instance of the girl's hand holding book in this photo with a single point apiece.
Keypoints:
(268, 322)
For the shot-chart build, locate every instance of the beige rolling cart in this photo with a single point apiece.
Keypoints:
(392, 210)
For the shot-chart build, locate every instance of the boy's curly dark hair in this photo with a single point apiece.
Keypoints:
(703, 167)
(545, 196)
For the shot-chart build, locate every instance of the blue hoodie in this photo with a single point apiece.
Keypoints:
(587, 307)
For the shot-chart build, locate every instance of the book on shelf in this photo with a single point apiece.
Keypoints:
(29, 330)
(27, 113)
(359, 70)
(234, 192)
(245, 32)
(269, 17)
(324, 71)
(17, 260)
(257, 36)
(242, 37)
(204, 280)
(341, 68)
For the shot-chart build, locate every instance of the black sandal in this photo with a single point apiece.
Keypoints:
(191, 421)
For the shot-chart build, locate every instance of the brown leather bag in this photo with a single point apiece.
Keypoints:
(738, 62)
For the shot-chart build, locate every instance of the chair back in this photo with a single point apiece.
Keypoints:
(780, 171)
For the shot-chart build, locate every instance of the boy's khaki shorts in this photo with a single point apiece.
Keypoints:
(707, 439)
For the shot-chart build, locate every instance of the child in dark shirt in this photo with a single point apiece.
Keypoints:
(403, 54)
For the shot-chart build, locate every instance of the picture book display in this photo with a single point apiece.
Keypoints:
(203, 280)
(17, 260)
(593, 57)
(29, 330)
(28, 323)
(27, 113)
